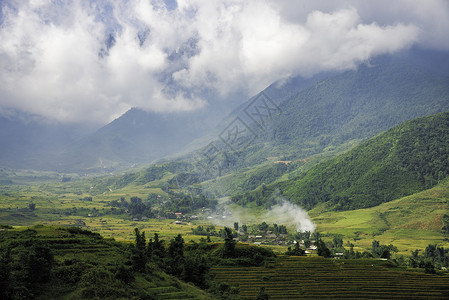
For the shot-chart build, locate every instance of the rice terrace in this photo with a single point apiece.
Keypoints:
(318, 278)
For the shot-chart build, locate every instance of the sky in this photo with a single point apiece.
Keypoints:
(90, 61)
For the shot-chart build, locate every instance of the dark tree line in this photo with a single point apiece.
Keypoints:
(166, 207)
(172, 259)
(24, 268)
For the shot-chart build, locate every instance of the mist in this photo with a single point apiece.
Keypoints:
(90, 61)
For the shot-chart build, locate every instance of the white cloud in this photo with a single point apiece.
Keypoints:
(50, 63)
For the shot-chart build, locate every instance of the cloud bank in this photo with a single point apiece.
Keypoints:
(89, 61)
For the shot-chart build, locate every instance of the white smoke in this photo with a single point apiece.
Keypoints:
(284, 213)
(288, 213)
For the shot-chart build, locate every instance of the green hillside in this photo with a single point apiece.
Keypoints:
(410, 223)
(349, 107)
(321, 121)
(409, 158)
(70, 263)
(317, 122)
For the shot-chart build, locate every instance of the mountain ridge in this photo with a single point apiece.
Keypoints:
(404, 160)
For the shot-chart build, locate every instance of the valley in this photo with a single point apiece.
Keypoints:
(349, 169)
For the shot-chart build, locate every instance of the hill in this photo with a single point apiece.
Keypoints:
(352, 106)
(136, 137)
(309, 122)
(67, 262)
(304, 117)
(406, 159)
(28, 142)
(42, 262)
(410, 222)
(323, 120)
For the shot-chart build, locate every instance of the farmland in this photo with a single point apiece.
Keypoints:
(316, 277)
(409, 223)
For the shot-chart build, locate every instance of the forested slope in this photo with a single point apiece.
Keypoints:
(408, 158)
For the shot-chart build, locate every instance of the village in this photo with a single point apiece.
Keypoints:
(257, 234)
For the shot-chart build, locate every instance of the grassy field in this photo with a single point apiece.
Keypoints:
(318, 278)
(409, 223)
(63, 204)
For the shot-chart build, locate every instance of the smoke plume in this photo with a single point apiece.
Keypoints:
(284, 213)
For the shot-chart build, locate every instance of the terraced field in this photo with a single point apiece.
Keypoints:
(82, 254)
(316, 277)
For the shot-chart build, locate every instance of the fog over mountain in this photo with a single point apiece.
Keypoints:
(91, 61)
(71, 67)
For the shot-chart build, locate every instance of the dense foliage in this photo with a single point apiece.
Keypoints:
(346, 108)
(47, 262)
(404, 160)
(156, 206)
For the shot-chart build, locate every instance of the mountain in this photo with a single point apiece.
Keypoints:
(295, 129)
(353, 106)
(139, 137)
(406, 159)
(291, 120)
(135, 137)
(325, 119)
(28, 142)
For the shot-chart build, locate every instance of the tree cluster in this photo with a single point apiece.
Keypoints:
(172, 259)
(24, 267)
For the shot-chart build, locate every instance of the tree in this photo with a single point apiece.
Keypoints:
(176, 254)
(150, 249)
(261, 295)
(307, 243)
(263, 226)
(5, 273)
(445, 219)
(322, 249)
(337, 242)
(382, 251)
(124, 274)
(229, 243)
(236, 226)
(158, 251)
(139, 256)
(196, 269)
(32, 206)
(297, 251)
(39, 263)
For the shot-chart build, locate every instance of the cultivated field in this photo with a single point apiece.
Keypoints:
(318, 278)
